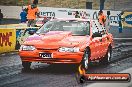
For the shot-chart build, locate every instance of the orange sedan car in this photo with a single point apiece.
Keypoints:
(68, 41)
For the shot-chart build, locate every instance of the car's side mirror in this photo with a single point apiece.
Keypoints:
(31, 32)
(96, 34)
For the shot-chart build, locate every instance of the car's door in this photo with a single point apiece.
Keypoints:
(103, 40)
(95, 43)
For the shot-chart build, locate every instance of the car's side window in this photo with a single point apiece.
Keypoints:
(98, 28)
(49, 26)
(102, 29)
(58, 27)
(94, 28)
(88, 28)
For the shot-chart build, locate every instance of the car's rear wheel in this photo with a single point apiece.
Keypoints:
(107, 58)
(85, 59)
(26, 65)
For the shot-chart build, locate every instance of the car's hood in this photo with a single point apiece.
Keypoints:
(55, 39)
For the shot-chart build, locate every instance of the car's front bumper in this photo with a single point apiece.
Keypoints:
(57, 57)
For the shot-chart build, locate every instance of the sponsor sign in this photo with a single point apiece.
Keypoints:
(60, 13)
(82, 76)
(7, 39)
(127, 19)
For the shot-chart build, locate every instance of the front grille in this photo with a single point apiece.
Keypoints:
(46, 50)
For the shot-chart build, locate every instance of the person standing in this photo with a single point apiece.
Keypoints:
(77, 14)
(32, 12)
(120, 22)
(23, 15)
(1, 17)
(101, 18)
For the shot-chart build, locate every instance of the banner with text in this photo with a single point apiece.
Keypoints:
(14, 12)
(7, 40)
(127, 19)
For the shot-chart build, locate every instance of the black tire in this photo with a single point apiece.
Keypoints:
(26, 65)
(107, 58)
(85, 59)
(80, 78)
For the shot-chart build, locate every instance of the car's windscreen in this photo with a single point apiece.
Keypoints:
(76, 27)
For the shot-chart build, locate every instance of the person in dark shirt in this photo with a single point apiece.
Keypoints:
(120, 22)
(1, 17)
(77, 14)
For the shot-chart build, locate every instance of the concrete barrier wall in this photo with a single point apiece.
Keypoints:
(14, 12)
(22, 25)
(11, 11)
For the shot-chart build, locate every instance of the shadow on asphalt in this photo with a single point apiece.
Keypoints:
(62, 69)
(53, 69)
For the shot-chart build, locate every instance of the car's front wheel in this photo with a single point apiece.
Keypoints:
(26, 65)
(85, 59)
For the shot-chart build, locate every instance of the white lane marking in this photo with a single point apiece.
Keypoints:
(123, 38)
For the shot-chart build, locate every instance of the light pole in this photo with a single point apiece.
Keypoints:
(78, 3)
(102, 4)
(114, 4)
(89, 4)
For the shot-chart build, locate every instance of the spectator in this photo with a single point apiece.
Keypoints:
(84, 14)
(77, 14)
(101, 18)
(23, 15)
(120, 22)
(1, 17)
(31, 15)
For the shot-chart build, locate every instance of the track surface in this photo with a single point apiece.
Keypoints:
(44, 75)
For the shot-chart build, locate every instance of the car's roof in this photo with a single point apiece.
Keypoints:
(70, 19)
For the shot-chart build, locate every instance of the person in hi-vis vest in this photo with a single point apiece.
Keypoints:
(101, 18)
(32, 13)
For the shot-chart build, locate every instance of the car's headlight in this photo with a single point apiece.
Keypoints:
(27, 48)
(68, 49)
